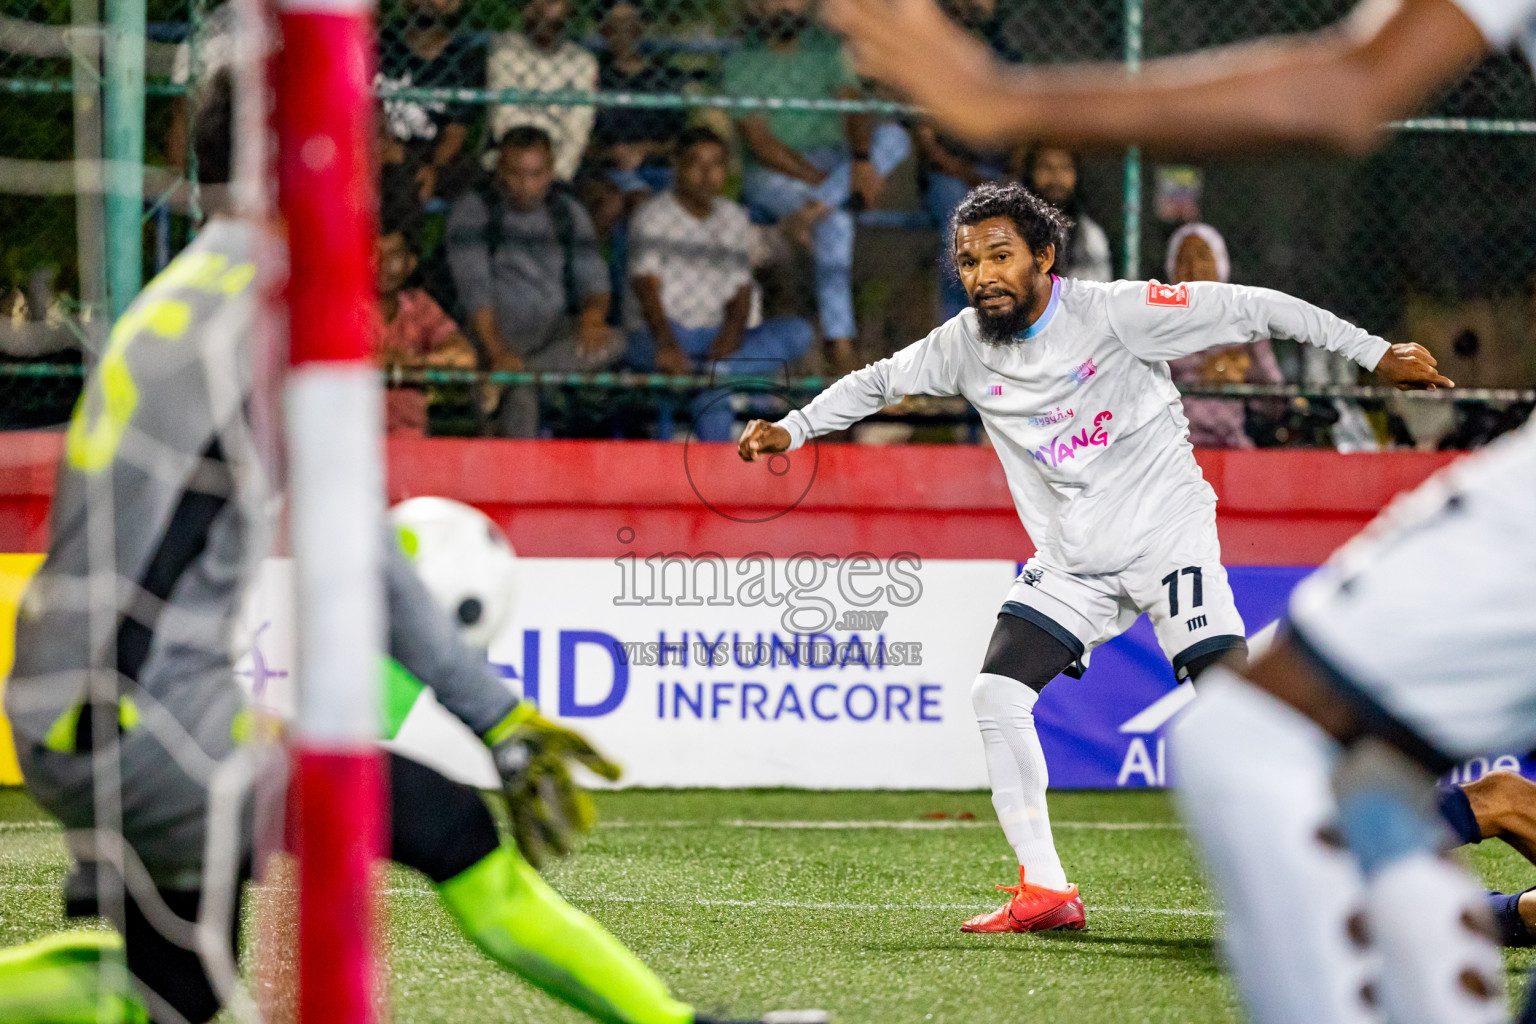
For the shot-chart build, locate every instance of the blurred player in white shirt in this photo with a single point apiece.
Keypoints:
(1071, 382)
(1308, 782)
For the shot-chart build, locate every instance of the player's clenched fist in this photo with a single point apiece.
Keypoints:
(1411, 368)
(762, 438)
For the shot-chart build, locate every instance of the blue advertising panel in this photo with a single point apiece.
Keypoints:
(1105, 730)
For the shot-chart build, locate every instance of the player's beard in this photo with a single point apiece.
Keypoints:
(1001, 328)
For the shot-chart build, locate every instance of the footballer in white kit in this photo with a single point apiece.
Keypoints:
(1071, 380)
(1308, 780)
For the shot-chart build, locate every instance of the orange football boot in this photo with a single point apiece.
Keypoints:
(1033, 908)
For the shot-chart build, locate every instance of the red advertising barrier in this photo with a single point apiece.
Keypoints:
(602, 498)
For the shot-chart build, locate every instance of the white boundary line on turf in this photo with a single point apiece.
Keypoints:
(750, 904)
(921, 825)
(918, 825)
(799, 905)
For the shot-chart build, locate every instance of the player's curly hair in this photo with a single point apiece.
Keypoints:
(1039, 223)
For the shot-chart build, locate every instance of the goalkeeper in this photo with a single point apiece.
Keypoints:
(130, 723)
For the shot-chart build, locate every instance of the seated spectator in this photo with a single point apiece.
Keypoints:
(948, 169)
(525, 262)
(411, 331)
(807, 165)
(694, 301)
(399, 191)
(634, 144)
(427, 51)
(541, 59)
(630, 158)
(1197, 252)
(1051, 173)
(215, 50)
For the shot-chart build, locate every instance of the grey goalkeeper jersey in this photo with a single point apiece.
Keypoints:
(162, 446)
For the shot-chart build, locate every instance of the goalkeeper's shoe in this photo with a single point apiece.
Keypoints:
(1033, 908)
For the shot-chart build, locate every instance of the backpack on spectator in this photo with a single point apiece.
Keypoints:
(558, 203)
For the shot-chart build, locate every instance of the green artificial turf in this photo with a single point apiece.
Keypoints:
(741, 917)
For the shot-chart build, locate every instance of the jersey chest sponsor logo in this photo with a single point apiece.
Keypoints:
(1059, 449)
(1057, 415)
(1174, 295)
(1083, 372)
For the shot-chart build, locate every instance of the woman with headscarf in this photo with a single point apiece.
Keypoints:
(1197, 252)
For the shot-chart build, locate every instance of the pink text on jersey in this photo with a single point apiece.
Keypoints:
(1059, 451)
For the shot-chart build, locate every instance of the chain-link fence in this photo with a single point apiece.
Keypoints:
(548, 182)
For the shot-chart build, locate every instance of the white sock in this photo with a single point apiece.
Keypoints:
(1440, 962)
(1253, 781)
(1016, 767)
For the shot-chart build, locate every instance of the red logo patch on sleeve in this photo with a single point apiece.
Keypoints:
(1175, 295)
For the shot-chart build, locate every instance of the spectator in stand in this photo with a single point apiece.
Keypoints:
(1197, 252)
(215, 50)
(540, 58)
(635, 144)
(1051, 173)
(630, 157)
(399, 191)
(427, 51)
(807, 167)
(948, 169)
(694, 303)
(524, 260)
(411, 331)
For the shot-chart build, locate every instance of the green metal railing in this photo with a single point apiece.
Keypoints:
(811, 385)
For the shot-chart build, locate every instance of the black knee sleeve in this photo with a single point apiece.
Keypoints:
(1022, 650)
(1189, 664)
(437, 826)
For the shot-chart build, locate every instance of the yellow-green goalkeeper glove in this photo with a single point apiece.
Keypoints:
(533, 756)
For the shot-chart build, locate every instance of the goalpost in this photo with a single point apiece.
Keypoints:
(322, 78)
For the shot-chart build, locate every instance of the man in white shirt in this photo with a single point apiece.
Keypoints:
(1308, 782)
(694, 303)
(1072, 385)
(541, 59)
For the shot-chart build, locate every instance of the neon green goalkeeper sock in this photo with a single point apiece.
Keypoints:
(60, 980)
(523, 924)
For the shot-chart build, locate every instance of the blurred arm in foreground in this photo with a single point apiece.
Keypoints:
(1332, 89)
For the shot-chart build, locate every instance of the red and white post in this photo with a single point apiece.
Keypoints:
(324, 73)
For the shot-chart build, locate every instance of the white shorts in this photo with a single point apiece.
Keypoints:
(1180, 584)
(1428, 617)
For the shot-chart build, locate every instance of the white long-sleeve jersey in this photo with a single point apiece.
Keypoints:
(1082, 411)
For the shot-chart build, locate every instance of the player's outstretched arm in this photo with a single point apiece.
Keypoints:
(1504, 806)
(1410, 367)
(1333, 88)
(925, 367)
(533, 755)
(426, 645)
(1157, 321)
